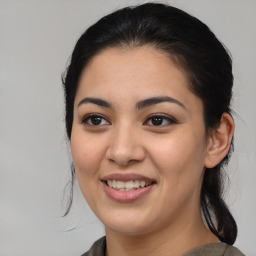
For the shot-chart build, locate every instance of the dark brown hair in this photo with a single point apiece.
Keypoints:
(195, 49)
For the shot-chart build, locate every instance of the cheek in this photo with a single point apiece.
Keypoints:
(179, 158)
(87, 153)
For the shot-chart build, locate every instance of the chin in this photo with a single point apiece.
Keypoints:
(128, 230)
(128, 224)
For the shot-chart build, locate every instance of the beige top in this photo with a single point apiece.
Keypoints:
(215, 249)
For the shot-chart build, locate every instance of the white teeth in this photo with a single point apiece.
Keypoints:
(120, 185)
(143, 183)
(127, 186)
(136, 184)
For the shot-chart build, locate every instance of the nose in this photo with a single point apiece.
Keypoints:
(125, 147)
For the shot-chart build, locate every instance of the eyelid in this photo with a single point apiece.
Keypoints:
(85, 119)
(170, 119)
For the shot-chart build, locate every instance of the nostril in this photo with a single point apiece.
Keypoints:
(125, 154)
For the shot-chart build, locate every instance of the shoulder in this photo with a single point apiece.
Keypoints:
(232, 251)
(215, 249)
(98, 248)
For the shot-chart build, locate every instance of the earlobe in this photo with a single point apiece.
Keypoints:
(219, 141)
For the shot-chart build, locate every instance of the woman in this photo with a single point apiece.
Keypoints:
(148, 95)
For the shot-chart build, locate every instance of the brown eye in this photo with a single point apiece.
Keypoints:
(95, 120)
(159, 120)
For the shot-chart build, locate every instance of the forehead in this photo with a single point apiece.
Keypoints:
(137, 60)
(133, 73)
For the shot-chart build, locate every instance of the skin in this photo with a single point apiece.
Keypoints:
(125, 140)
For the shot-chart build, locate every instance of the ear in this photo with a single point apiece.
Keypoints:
(219, 141)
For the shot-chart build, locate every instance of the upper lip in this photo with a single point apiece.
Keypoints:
(127, 177)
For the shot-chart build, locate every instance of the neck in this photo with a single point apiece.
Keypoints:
(184, 232)
(173, 240)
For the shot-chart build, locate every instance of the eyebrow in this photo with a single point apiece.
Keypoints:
(96, 101)
(139, 105)
(156, 100)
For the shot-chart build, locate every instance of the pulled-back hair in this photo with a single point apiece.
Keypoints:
(192, 46)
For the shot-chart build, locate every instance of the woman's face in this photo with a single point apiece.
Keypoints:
(138, 141)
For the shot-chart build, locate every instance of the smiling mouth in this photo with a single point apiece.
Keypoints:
(128, 185)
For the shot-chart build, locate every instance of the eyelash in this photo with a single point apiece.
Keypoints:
(162, 118)
(88, 118)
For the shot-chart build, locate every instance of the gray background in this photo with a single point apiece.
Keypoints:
(36, 40)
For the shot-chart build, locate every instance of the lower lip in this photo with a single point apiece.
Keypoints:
(126, 196)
